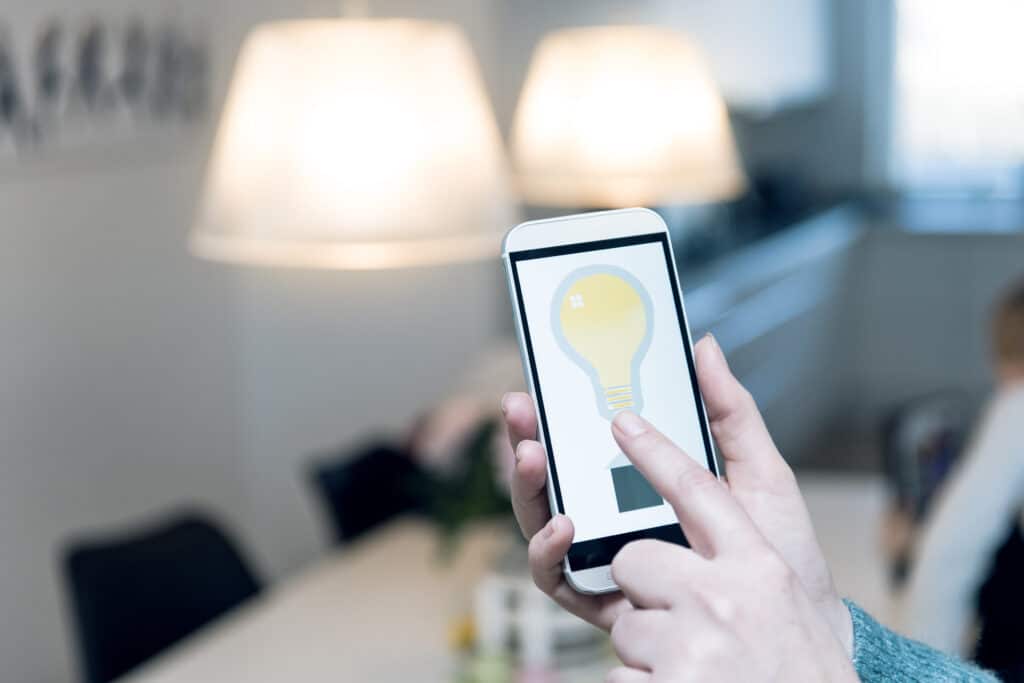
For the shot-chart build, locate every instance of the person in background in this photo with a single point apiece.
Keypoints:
(753, 599)
(978, 507)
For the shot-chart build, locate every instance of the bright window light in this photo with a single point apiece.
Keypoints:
(958, 97)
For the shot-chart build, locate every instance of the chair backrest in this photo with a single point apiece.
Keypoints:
(133, 595)
(363, 489)
(921, 441)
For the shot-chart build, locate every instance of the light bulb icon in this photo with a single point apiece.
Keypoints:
(603, 320)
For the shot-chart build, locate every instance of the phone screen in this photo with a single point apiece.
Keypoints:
(604, 330)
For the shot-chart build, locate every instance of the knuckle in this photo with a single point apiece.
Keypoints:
(746, 399)
(539, 578)
(619, 631)
(537, 560)
(726, 609)
(534, 548)
(738, 417)
(773, 571)
(726, 428)
(694, 478)
(648, 442)
(546, 585)
(723, 434)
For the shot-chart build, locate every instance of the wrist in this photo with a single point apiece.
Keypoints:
(841, 623)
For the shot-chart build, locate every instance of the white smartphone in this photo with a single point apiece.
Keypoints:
(602, 328)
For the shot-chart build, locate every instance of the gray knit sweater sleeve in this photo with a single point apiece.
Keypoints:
(881, 655)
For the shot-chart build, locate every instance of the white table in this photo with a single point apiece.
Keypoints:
(381, 610)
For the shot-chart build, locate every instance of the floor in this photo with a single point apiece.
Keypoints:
(847, 512)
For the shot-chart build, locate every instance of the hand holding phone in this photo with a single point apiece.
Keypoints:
(728, 609)
(602, 329)
(759, 479)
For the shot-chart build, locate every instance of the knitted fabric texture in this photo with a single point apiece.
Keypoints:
(881, 655)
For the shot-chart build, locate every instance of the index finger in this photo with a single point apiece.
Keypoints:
(711, 518)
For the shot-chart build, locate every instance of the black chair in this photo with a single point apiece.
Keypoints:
(922, 439)
(363, 489)
(133, 595)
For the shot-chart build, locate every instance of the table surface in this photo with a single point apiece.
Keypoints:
(378, 610)
(381, 610)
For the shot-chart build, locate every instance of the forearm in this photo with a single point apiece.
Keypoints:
(881, 655)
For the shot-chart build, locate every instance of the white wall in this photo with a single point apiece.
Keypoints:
(120, 374)
(330, 359)
(135, 377)
(118, 396)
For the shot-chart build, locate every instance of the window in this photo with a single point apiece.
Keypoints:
(958, 97)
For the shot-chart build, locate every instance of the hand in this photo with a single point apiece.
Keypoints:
(729, 607)
(758, 478)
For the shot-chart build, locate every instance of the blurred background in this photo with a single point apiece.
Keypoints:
(256, 329)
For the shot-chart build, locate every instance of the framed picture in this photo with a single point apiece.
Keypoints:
(77, 87)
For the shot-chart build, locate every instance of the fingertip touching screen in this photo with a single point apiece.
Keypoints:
(604, 329)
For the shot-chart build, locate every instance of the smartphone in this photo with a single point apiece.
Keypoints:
(602, 328)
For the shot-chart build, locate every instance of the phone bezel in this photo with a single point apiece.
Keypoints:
(583, 232)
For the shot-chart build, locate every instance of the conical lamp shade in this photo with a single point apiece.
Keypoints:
(622, 116)
(354, 144)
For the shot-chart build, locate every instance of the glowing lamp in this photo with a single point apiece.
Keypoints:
(622, 116)
(354, 144)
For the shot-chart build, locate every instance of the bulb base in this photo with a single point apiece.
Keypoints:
(619, 397)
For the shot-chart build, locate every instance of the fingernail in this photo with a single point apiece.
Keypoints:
(516, 452)
(630, 424)
(504, 408)
(715, 345)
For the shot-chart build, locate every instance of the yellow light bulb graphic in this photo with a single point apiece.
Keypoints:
(602, 317)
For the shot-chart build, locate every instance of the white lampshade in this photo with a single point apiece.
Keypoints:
(354, 144)
(622, 116)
